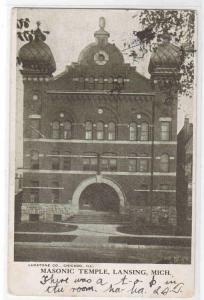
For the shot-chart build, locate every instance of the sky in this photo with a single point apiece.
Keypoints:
(70, 31)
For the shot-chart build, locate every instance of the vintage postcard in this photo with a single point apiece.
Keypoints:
(103, 136)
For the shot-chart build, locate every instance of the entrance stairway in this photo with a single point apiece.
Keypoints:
(95, 217)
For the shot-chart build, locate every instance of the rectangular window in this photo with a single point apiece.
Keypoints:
(88, 135)
(104, 164)
(132, 165)
(143, 165)
(99, 135)
(55, 192)
(34, 192)
(165, 131)
(55, 160)
(34, 160)
(113, 164)
(108, 164)
(144, 187)
(164, 187)
(67, 161)
(90, 163)
(35, 128)
(85, 164)
(93, 163)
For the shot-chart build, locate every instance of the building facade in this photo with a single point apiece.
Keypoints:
(99, 136)
(184, 178)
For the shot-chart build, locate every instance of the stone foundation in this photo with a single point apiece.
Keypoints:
(161, 215)
(45, 212)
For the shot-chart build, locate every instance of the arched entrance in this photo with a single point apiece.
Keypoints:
(95, 193)
(99, 197)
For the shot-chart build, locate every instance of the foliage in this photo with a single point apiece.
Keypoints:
(180, 25)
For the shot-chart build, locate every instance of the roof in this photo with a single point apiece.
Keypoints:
(166, 55)
(37, 56)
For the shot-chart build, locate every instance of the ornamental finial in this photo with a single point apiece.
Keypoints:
(102, 22)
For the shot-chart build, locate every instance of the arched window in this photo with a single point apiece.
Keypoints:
(34, 160)
(144, 132)
(88, 130)
(67, 130)
(133, 131)
(99, 130)
(165, 131)
(111, 131)
(164, 163)
(55, 130)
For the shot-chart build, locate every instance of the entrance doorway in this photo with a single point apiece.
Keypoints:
(99, 197)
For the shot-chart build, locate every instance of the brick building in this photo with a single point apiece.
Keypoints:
(184, 178)
(99, 136)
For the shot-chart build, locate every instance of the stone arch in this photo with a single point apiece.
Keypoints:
(96, 179)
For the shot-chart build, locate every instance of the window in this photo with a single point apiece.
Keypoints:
(112, 164)
(144, 186)
(67, 161)
(100, 83)
(67, 130)
(120, 82)
(91, 83)
(35, 97)
(144, 133)
(88, 130)
(164, 163)
(99, 131)
(81, 82)
(56, 130)
(34, 160)
(143, 164)
(55, 192)
(133, 131)
(132, 166)
(164, 187)
(104, 164)
(34, 196)
(108, 164)
(165, 131)
(34, 193)
(111, 131)
(35, 128)
(110, 82)
(90, 163)
(33, 217)
(55, 160)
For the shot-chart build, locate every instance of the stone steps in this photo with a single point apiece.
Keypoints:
(98, 218)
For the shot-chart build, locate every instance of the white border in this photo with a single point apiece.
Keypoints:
(5, 14)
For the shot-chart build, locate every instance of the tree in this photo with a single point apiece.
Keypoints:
(180, 25)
